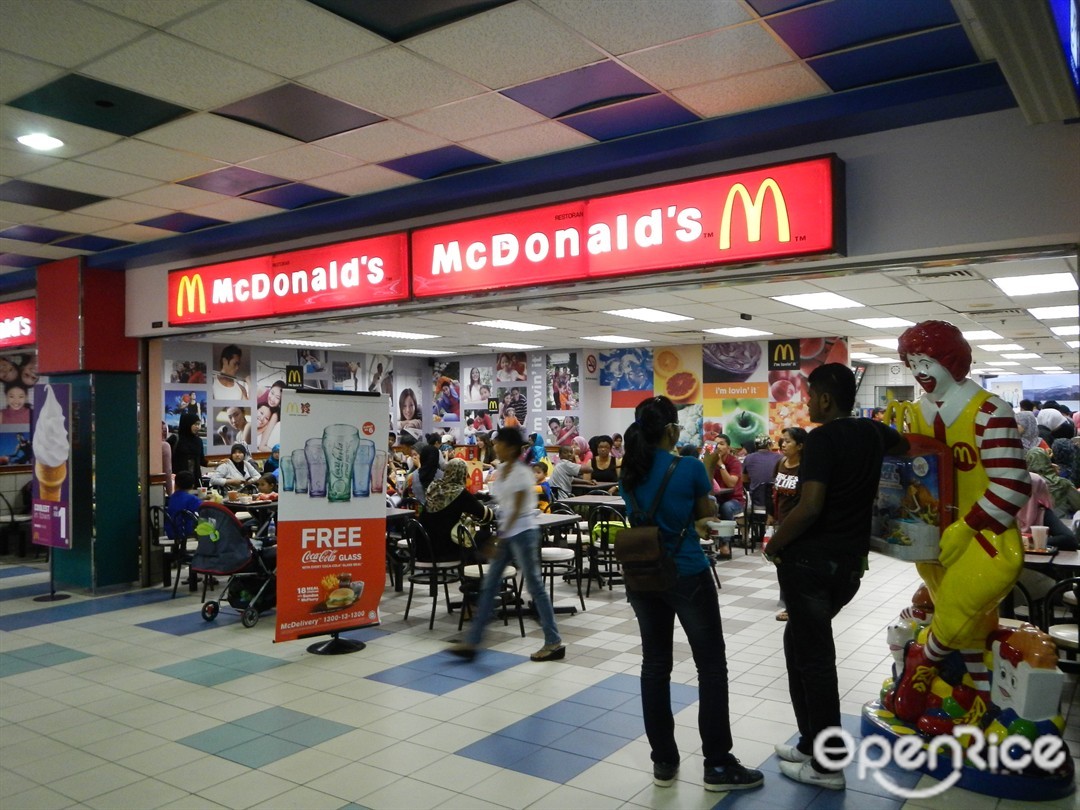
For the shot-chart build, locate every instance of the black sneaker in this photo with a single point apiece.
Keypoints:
(663, 774)
(732, 777)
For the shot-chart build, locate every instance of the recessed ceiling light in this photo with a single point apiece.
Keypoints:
(882, 323)
(425, 352)
(511, 346)
(1034, 285)
(1055, 313)
(310, 344)
(737, 331)
(513, 326)
(861, 356)
(392, 333)
(888, 343)
(646, 314)
(1048, 368)
(1001, 347)
(816, 301)
(881, 360)
(986, 371)
(984, 334)
(40, 141)
(1073, 344)
(1006, 363)
(1066, 330)
(615, 339)
(1022, 356)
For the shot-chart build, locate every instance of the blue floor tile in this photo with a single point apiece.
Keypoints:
(437, 684)
(500, 751)
(574, 714)
(779, 793)
(588, 743)
(24, 591)
(272, 720)
(554, 765)
(682, 695)
(623, 683)
(603, 698)
(846, 800)
(402, 676)
(79, 610)
(18, 571)
(250, 663)
(16, 666)
(190, 623)
(441, 672)
(313, 731)
(219, 738)
(261, 752)
(536, 730)
(619, 724)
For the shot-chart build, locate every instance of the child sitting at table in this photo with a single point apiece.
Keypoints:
(266, 484)
(543, 488)
(183, 499)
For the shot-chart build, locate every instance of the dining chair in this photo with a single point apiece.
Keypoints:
(181, 530)
(604, 523)
(473, 569)
(1061, 621)
(13, 522)
(424, 569)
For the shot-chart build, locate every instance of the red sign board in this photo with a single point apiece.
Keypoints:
(18, 323)
(794, 209)
(360, 273)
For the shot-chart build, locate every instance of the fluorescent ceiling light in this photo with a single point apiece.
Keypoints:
(879, 360)
(646, 314)
(425, 352)
(1066, 330)
(513, 326)
(1035, 285)
(1055, 313)
(882, 323)
(1006, 363)
(1022, 356)
(40, 141)
(861, 356)
(511, 345)
(392, 333)
(887, 343)
(817, 301)
(737, 331)
(1073, 344)
(984, 334)
(615, 339)
(1001, 347)
(1048, 368)
(310, 344)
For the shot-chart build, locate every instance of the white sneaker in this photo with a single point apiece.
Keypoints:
(805, 773)
(789, 753)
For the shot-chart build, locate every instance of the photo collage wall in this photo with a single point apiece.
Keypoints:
(18, 375)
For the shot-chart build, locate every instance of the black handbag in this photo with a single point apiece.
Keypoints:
(647, 566)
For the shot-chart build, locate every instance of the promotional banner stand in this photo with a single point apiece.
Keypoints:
(52, 595)
(51, 485)
(336, 645)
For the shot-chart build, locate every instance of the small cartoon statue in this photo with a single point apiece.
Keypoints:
(981, 551)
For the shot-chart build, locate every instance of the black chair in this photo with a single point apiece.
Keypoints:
(424, 569)
(180, 531)
(604, 523)
(756, 515)
(473, 569)
(13, 522)
(1061, 621)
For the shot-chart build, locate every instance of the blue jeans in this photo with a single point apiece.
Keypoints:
(814, 591)
(730, 509)
(525, 550)
(693, 600)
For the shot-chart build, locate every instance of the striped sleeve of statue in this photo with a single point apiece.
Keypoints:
(1002, 455)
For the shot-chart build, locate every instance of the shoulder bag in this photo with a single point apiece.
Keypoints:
(647, 565)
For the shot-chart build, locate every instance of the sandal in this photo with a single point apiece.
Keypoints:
(549, 652)
(781, 616)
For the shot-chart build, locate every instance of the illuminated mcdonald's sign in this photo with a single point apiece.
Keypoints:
(783, 355)
(189, 287)
(294, 376)
(965, 457)
(18, 323)
(753, 210)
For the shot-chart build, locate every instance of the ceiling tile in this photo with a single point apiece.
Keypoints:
(153, 14)
(180, 222)
(19, 161)
(42, 196)
(299, 113)
(98, 105)
(383, 141)
(731, 52)
(91, 179)
(643, 23)
(235, 210)
(233, 181)
(33, 233)
(286, 37)
(78, 223)
(78, 140)
(438, 162)
(123, 211)
(170, 68)
(217, 137)
(398, 21)
(364, 180)
(392, 82)
(474, 117)
(135, 233)
(293, 195)
(763, 88)
(20, 260)
(149, 160)
(175, 197)
(22, 75)
(630, 118)
(531, 45)
(91, 243)
(577, 89)
(302, 162)
(35, 29)
(537, 139)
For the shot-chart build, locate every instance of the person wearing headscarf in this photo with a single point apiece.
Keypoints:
(189, 453)
(1063, 453)
(426, 472)
(1066, 497)
(1039, 511)
(584, 453)
(1028, 426)
(447, 500)
(1053, 424)
(273, 461)
(237, 470)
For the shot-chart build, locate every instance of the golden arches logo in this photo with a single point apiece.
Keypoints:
(783, 353)
(752, 209)
(191, 286)
(294, 376)
(294, 409)
(964, 457)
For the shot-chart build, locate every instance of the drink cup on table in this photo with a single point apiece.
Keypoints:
(1038, 537)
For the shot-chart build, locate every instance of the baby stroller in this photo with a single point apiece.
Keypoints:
(224, 549)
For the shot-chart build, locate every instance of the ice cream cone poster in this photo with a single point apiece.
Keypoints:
(331, 528)
(51, 519)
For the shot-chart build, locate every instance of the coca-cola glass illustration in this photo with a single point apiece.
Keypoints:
(361, 471)
(300, 469)
(378, 472)
(288, 474)
(339, 444)
(316, 468)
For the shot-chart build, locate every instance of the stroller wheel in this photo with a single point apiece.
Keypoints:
(210, 611)
(250, 617)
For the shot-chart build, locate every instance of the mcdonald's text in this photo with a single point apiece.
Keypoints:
(17, 322)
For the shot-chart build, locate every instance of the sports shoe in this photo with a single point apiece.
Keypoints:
(549, 652)
(663, 774)
(781, 616)
(733, 776)
(462, 650)
(804, 772)
(789, 753)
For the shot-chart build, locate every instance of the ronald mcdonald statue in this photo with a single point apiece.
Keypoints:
(981, 550)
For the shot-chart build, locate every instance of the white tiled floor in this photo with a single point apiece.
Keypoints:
(101, 731)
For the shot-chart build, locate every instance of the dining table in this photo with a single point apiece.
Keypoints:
(594, 500)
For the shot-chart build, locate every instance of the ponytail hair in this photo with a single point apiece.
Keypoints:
(651, 418)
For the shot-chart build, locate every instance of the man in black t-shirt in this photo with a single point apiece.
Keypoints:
(820, 551)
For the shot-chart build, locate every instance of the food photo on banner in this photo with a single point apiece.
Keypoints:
(446, 391)
(331, 513)
(562, 382)
(51, 488)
